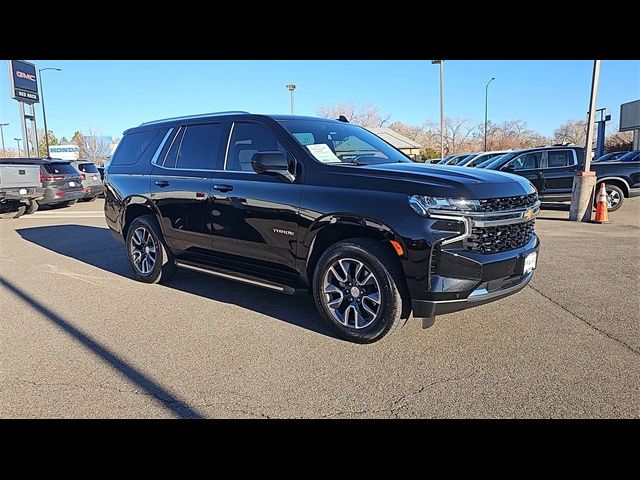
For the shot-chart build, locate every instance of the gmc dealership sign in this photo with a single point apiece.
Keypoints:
(23, 81)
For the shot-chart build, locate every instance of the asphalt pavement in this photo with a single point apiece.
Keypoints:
(80, 338)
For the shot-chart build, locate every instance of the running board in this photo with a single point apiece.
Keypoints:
(239, 277)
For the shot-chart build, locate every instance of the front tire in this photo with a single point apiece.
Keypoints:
(359, 290)
(150, 259)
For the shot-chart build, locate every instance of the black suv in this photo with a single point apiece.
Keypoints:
(293, 204)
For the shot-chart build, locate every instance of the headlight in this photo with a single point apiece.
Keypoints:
(423, 204)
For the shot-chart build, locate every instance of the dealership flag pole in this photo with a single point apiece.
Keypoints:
(585, 180)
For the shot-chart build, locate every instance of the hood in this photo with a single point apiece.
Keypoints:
(451, 181)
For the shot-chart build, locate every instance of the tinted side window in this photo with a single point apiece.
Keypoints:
(559, 158)
(527, 161)
(199, 147)
(172, 154)
(247, 139)
(132, 147)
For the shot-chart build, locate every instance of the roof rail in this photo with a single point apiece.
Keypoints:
(201, 115)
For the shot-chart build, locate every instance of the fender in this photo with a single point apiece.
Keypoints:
(351, 219)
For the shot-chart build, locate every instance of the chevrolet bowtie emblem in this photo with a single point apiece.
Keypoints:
(528, 214)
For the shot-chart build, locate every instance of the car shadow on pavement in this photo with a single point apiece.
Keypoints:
(168, 400)
(95, 246)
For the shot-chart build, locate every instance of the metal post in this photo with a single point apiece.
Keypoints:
(44, 114)
(23, 124)
(18, 140)
(585, 180)
(36, 145)
(602, 124)
(2, 135)
(291, 87)
(441, 109)
(292, 106)
(486, 110)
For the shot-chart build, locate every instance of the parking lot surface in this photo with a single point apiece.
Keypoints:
(80, 338)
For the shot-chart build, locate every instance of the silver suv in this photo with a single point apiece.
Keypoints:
(91, 179)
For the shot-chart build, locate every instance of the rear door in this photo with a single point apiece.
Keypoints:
(559, 168)
(181, 185)
(528, 165)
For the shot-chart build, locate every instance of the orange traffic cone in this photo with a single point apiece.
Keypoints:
(602, 212)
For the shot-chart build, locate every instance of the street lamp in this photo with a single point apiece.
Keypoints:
(2, 135)
(18, 140)
(291, 87)
(441, 63)
(486, 108)
(44, 113)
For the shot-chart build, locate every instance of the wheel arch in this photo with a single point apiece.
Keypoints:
(334, 228)
(617, 181)
(136, 206)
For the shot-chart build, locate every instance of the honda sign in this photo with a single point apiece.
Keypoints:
(23, 81)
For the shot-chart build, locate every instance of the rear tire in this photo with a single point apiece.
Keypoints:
(370, 272)
(90, 199)
(149, 257)
(32, 207)
(615, 197)
(71, 202)
(14, 214)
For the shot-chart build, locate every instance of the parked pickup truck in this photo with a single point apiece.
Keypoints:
(20, 186)
(551, 170)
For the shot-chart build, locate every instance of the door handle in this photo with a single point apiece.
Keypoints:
(162, 183)
(223, 188)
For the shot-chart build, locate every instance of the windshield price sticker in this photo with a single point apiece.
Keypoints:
(323, 153)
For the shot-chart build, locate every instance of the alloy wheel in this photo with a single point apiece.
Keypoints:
(143, 250)
(351, 292)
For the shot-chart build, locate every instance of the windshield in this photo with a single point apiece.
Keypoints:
(497, 162)
(630, 157)
(340, 143)
(461, 158)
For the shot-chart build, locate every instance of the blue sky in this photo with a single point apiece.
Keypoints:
(111, 96)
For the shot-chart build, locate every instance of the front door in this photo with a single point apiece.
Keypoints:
(181, 186)
(529, 166)
(254, 216)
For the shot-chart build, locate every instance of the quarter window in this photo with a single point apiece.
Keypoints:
(247, 139)
(132, 147)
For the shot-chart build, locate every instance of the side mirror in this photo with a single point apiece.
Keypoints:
(509, 168)
(272, 163)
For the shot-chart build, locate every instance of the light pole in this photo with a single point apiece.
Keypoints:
(44, 113)
(291, 87)
(18, 140)
(486, 109)
(585, 180)
(2, 135)
(441, 63)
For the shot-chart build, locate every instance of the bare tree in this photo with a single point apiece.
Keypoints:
(92, 146)
(618, 142)
(458, 134)
(365, 116)
(571, 131)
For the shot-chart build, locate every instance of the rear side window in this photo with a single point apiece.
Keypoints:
(132, 147)
(199, 147)
(88, 167)
(562, 158)
(60, 168)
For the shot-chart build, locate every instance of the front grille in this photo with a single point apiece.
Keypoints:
(508, 203)
(500, 238)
